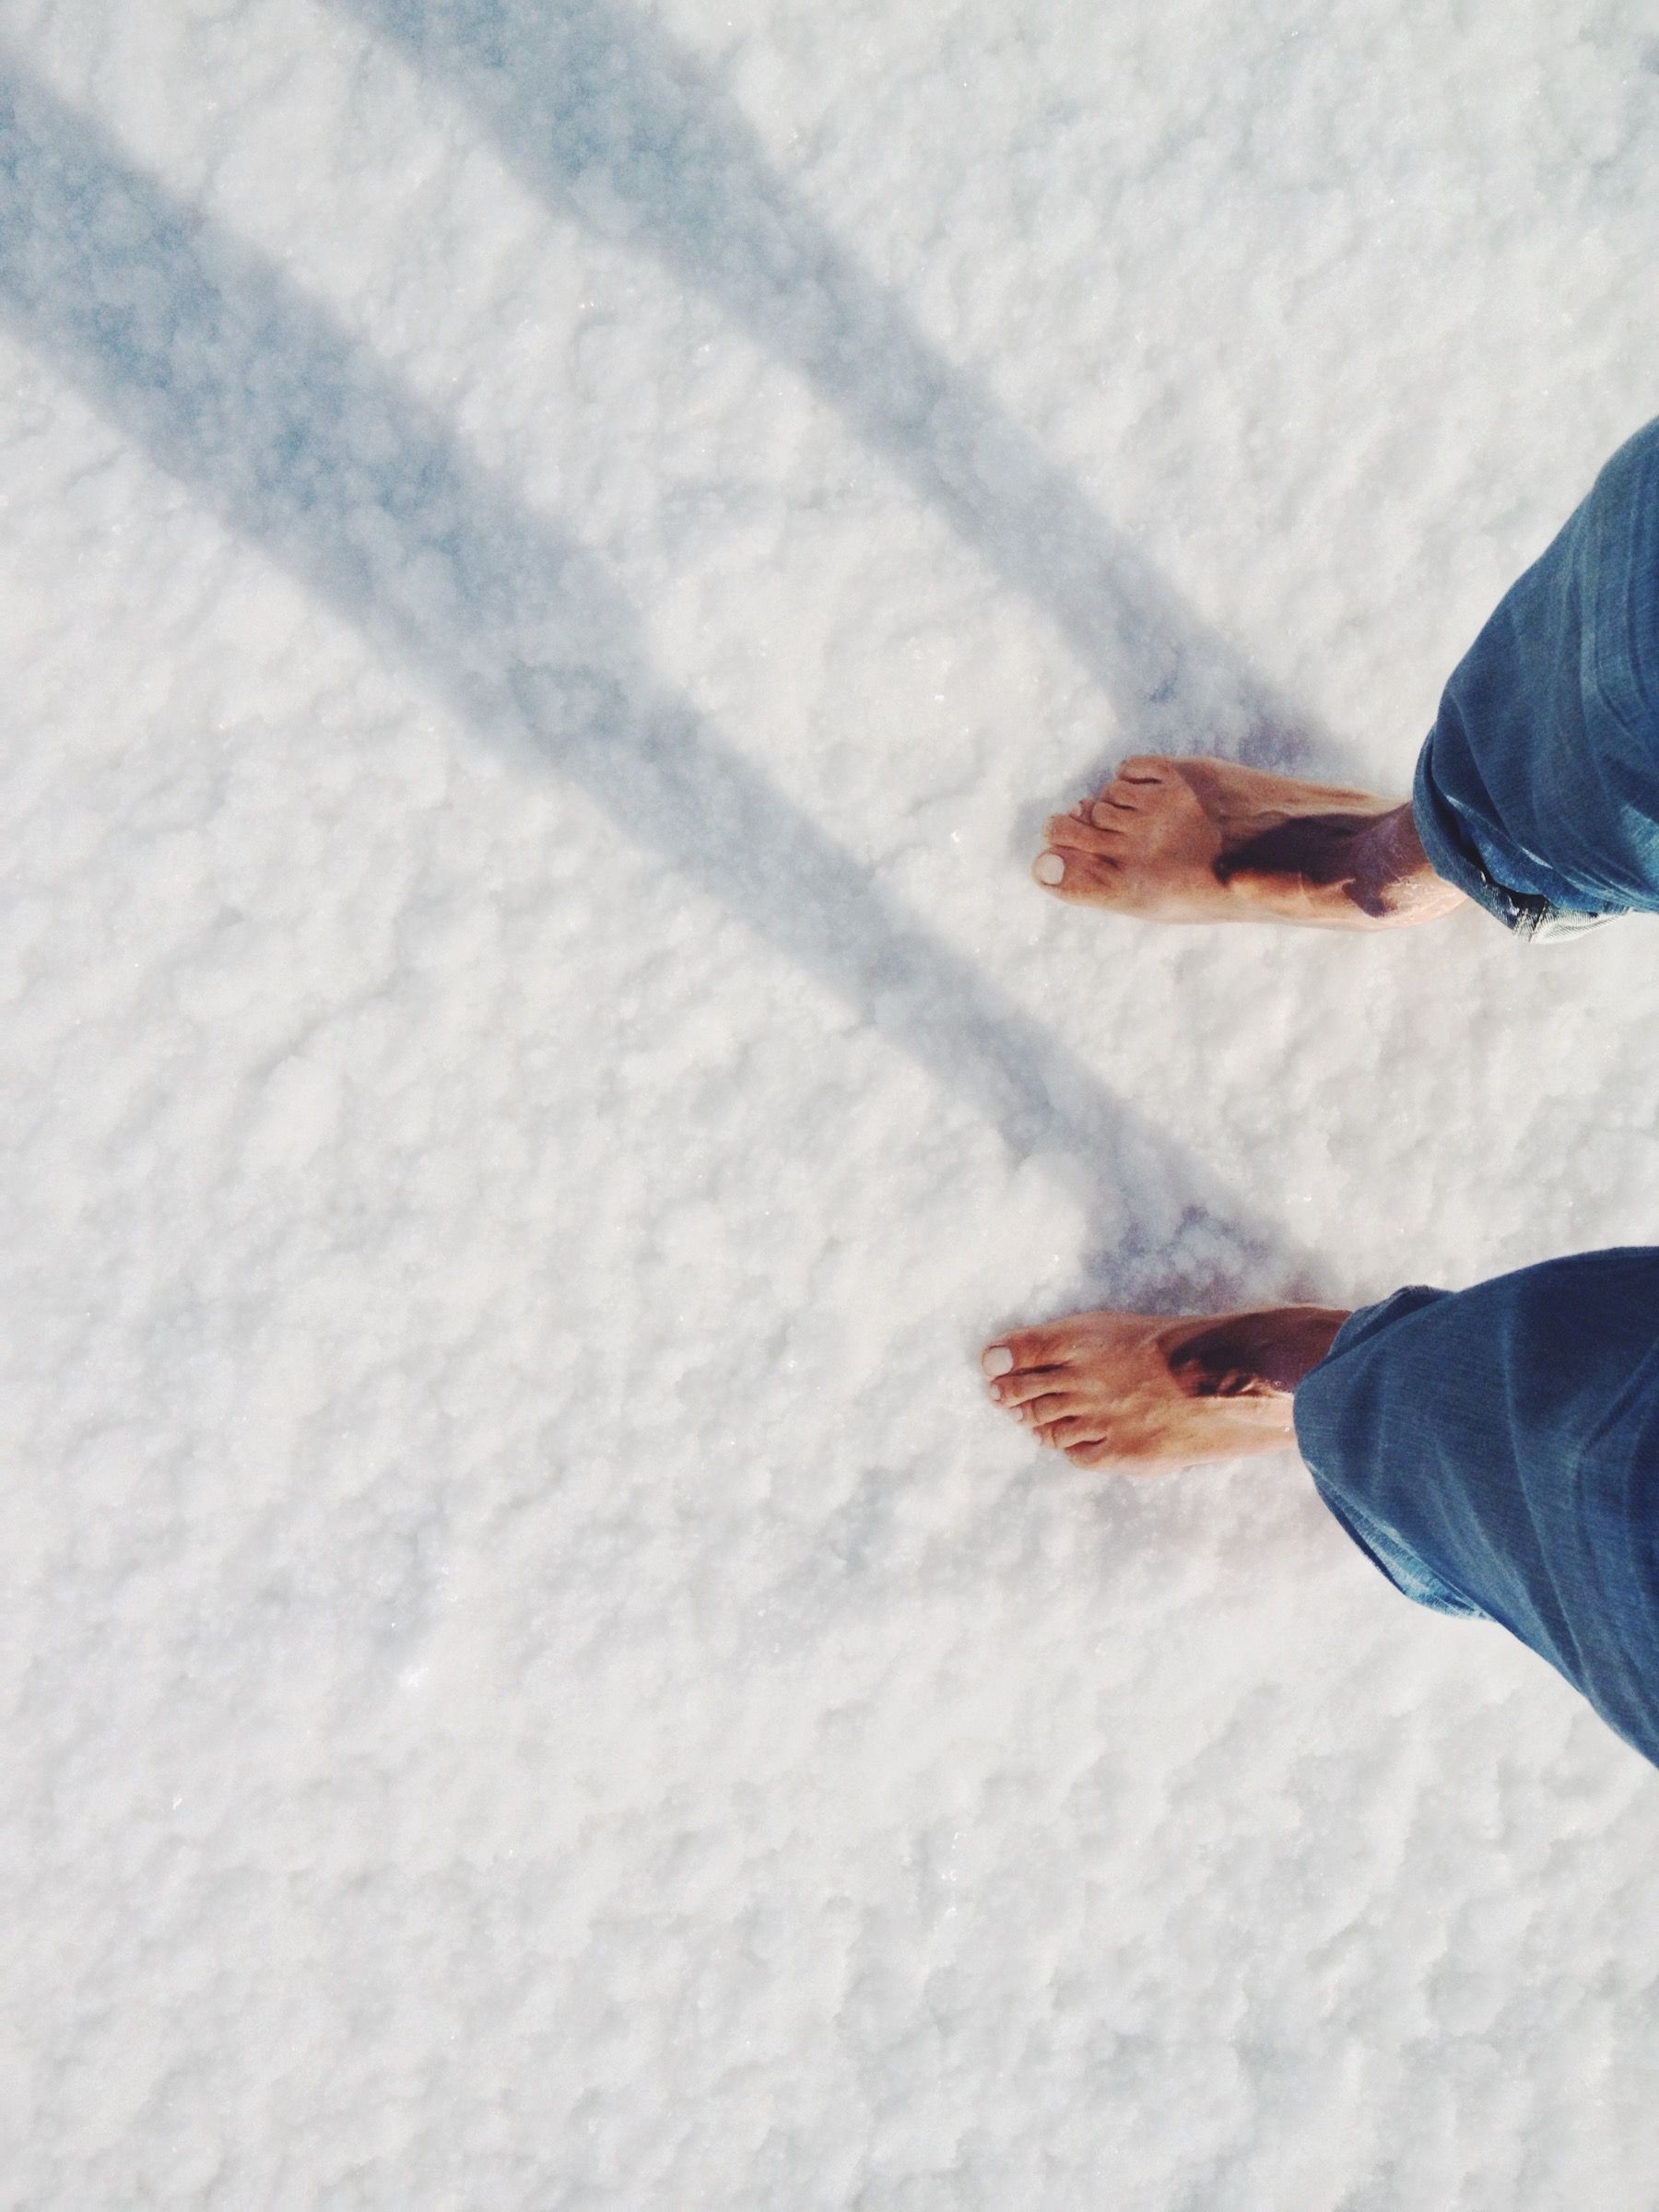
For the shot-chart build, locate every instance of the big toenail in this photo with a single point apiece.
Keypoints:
(998, 1360)
(1050, 869)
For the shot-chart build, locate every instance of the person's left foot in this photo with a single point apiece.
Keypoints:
(1147, 1393)
(1211, 840)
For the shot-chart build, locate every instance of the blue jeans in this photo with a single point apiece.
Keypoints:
(1537, 791)
(1496, 1453)
(1495, 1450)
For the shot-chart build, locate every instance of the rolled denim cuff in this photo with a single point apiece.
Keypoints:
(1316, 1432)
(1453, 855)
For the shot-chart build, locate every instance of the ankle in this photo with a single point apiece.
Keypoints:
(1264, 1354)
(1398, 874)
(1359, 870)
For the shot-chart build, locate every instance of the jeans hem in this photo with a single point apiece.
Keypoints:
(1394, 1559)
(1386, 1549)
(1529, 918)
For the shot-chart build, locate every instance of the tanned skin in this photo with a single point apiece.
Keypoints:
(1207, 841)
(1141, 1393)
(1204, 840)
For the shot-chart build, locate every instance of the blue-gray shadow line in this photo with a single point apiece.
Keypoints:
(220, 369)
(612, 124)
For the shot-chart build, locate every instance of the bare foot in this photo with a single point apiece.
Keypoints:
(1207, 841)
(1143, 1393)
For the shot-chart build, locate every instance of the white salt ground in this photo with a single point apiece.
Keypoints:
(556, 557)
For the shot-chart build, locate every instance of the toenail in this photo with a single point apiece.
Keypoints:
(998, 1360)
(1050, 869)
(995, 1391)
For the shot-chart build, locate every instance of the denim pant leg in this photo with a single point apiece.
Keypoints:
(1537, 791)
(1496, 1452)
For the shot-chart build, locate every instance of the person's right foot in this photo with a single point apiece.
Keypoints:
(1144, 1393)
(1209, 841)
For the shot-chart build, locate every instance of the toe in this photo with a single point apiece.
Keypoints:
(1146, 768)
(1023, 1350)
(1072, 1430)
(1090, 1455)
(1001, 1394)
(1026, 1385)
(1069, 834)
(1045, 1415)
(1074, 874)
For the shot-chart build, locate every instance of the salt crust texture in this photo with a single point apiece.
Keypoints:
(555, 556)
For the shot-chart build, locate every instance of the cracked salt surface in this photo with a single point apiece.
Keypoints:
(556, 559)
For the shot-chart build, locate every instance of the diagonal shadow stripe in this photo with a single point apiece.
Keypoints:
(612, 124)
(217, 368)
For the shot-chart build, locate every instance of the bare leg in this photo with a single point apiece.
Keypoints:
(1141, 1393)
(1207, 841)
